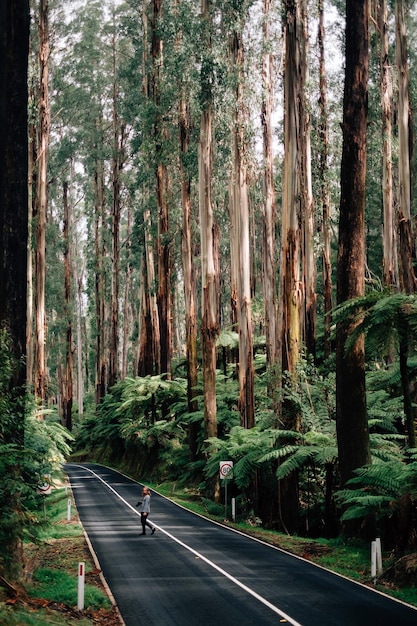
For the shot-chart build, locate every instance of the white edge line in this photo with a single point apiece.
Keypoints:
(98, 567)
(237, 582)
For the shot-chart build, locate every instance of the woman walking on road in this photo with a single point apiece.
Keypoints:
(145, 509)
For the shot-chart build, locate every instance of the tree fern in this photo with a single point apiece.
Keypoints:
(383, 490)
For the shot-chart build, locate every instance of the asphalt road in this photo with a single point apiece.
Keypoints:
(193, 572)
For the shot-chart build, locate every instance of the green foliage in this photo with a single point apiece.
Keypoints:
(383, 318)
(59, 586)
(386, 491)
(22, 470)
(23, 464)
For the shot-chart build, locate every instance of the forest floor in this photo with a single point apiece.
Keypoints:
(53, 563)
(23, 607)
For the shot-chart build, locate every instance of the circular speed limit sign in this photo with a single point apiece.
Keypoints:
(44, 488)
(226, 469)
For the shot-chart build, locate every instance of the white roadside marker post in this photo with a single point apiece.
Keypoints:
(81, 581)
(69, 510)
(373, 561)
(378, 556)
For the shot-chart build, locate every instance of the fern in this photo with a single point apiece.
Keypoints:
(379, 490)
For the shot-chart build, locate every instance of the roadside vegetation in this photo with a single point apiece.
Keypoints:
(48, 593)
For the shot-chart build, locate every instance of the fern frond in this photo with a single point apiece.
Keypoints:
(295, 461)
(278, 453)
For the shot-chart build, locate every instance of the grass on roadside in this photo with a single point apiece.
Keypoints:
(50, 593)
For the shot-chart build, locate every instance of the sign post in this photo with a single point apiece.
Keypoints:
(44, 488)
(226, 472)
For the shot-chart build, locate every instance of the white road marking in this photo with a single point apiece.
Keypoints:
(234, 580)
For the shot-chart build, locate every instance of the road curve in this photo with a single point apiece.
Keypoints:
(193, 572)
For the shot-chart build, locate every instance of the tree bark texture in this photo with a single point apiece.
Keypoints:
(408, 279)
(14, 50)
(127, 306)
(389, 239)
(67, 379)
(351, 415)
(306, 189)
(41, 203)
(292, 286)
(324, 185)
(209, 269)
(291, 283)
(269, 207)
(101, 375)
(162, 183)
(115, 228)
(239, 208)
(188, 253)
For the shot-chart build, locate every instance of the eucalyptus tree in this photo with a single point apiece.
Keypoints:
(239, 217)
(323, 158)
(390, 252)
(269, 205)
(351, 414)
(291, 280)
(185, 50)
(291, 292)
(161, 189)
(68, 370)
(118, 148)
(209, 244)
(41, 199)
(148, 358)
(408, 279)
(14, 51)
(307, 207)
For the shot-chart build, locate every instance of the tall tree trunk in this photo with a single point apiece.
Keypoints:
(324, 186)
(68, 375)
(115, 227)
(188, 249)
(209, 275)
(80, 376)
(239, 202)
(41, 204)
(14, 50)
(351, 415)
(269, 208)
(390, 256)
(149, 345)
(291, 236)
(30, 259)
(100, 252)
(149, 348)
(127, 314)
(291, 284)
(163, 246)
(306, 188)
(188, 253)
(408, 279)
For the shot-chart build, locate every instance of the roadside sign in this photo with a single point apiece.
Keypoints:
(226, 469)
(44, 487)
